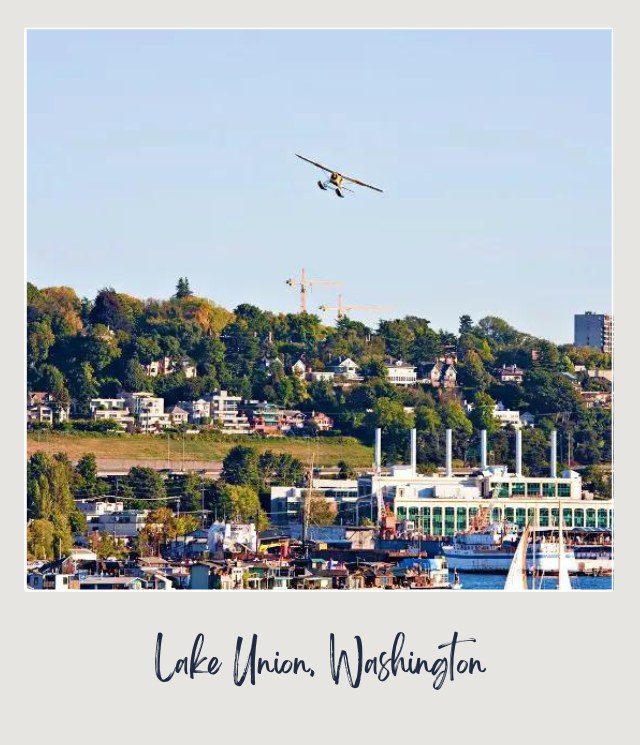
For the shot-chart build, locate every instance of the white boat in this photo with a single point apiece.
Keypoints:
(517, 574)
(518, 570)
(490, 547)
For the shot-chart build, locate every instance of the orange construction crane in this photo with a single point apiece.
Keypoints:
(304, 283)
(342, 309)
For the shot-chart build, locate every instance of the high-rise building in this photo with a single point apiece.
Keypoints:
(593, 330)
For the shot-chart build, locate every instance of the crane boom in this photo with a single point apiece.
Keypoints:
(304, 282)
(341, 308)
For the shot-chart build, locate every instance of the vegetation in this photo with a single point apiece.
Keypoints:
(79, 348)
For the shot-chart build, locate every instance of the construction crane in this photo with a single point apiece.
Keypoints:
(342, 309)
(304, 283)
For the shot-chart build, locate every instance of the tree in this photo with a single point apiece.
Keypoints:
(319, 510)
(344, 470)
(106, 546)
(240, 467)
(245, 505)
(182, 288)
(466, 325)
(145, 484)
(40, 539)
(482, 415)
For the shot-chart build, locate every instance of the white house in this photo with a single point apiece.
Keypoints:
(346, 369)
(506, 416)
(401, 374)
(224, 409)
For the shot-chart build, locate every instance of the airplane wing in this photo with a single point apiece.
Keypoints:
(313, 163)
(360, 183)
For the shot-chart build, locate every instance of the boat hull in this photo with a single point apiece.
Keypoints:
(498, 561)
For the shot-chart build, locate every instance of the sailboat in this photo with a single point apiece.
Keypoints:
(517, 575)
(564, 581)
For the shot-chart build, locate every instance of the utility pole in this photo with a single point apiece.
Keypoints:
(305, 509)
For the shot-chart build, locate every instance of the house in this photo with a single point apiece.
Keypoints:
(178, 415)
(322, 422)
(199, 411)
(264, 418)
(596, 399)
(43, 408)
(510, 374)
(506, 416)
(114, 409)
(167, 366)
(443, 373)
(315, 376)
(527, 419)
(148, 411)
(299, 369)
(346, 369)
(401, 374)
(225, 410)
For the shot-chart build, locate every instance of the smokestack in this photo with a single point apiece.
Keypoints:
(483, 450)
(554, 455)
(414, 451)
(449, 464)
(378, 450)
(518, 452)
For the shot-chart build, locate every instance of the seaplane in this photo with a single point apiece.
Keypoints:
(336, 179)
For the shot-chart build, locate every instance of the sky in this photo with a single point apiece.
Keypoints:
(153, 155)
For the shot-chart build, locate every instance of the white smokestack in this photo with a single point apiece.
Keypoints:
(414, 451)
(378, 450)
(554, 454)
(449, 454)
(518, 452)
(483, 450)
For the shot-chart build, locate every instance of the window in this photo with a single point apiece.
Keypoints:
(591, 518)
(578, 516)
(567, 517)
(461, 518)
(437, 520)
(549, 489)
(544, 517)
(564, 490)
(521, 517)
(533, 489)
(496, 514)
(517, 489)
(449, 521)
(602, 518)
(401, 512)
(508, 514)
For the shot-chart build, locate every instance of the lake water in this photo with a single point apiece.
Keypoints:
(496, 582)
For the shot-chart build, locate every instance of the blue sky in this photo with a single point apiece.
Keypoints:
(158, 154)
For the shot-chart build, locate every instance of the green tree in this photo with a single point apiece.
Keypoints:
(245, 505)
(145, 484)
(40, 540)
(482, 415)
(182, 288)
(466, 325)
(240, 467)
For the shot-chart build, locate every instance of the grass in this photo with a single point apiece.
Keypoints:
(327, 451)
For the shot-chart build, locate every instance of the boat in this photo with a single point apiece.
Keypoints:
(518, 569)
(517, 574)
(489, 547)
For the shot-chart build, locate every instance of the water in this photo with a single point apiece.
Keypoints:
(496, 582)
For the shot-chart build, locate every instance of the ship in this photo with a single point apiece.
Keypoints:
(489, 547)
